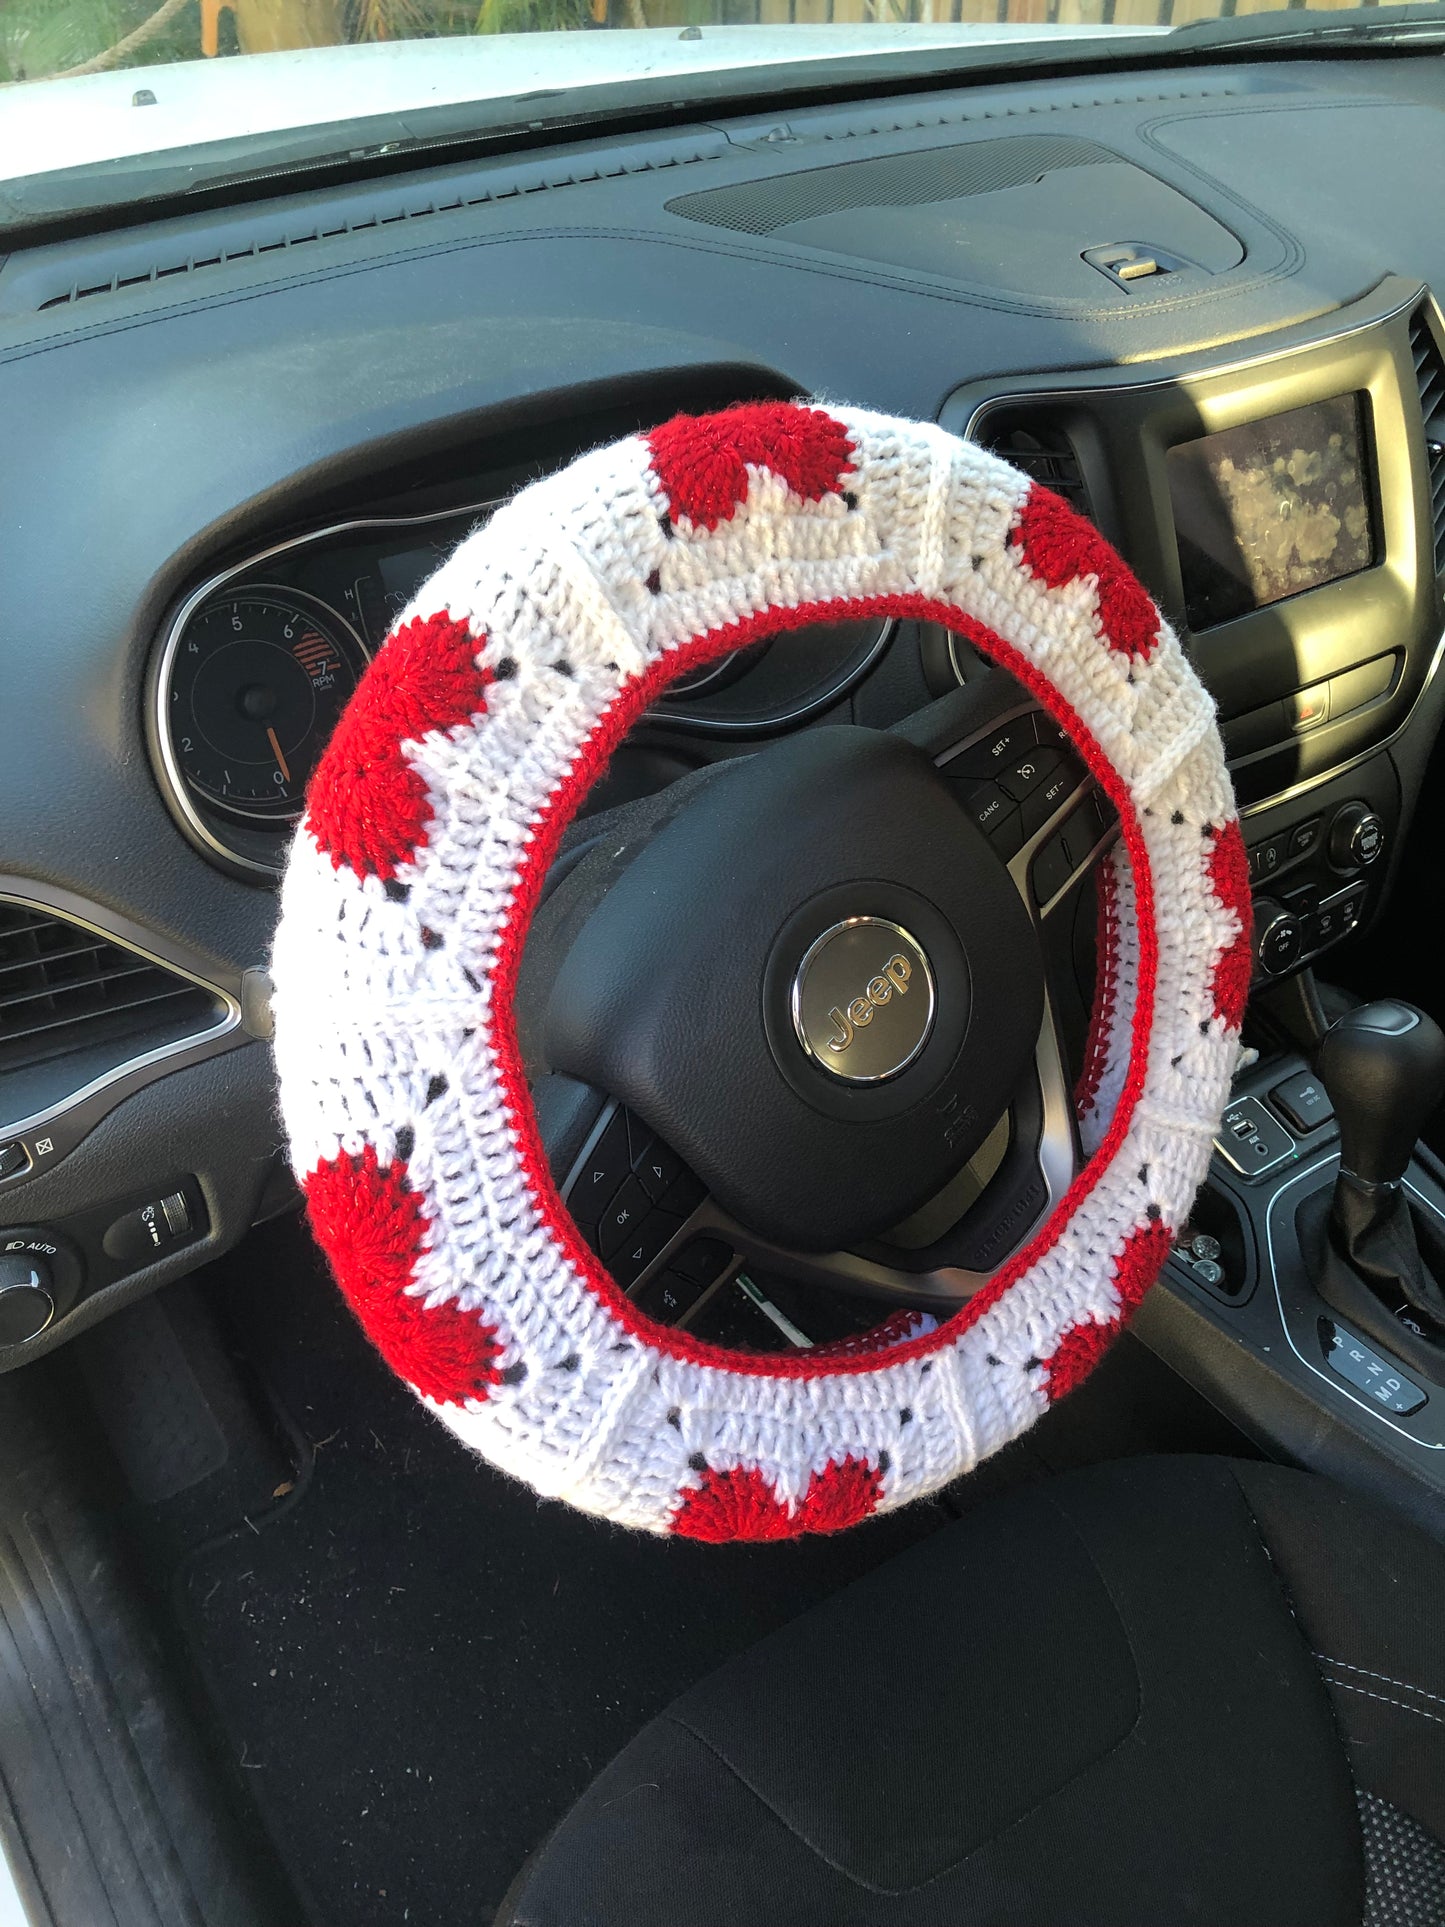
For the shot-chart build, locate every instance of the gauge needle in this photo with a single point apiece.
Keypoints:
(276, 752)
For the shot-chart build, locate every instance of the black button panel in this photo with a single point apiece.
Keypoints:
(1014, 781)
(1311, 882)
(630, 1196)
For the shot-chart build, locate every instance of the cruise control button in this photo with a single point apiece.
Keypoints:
(997, 751)
(605, 1170)
(1051, 794)
(988, 806)
(1303, 1101)
(1051, 734)
(1022, 778)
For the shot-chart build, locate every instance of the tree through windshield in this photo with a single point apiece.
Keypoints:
(41, 39)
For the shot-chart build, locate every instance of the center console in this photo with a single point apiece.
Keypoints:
(1287, 510)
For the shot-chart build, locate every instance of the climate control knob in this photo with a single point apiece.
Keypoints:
(1279, 937)
(26, 1304)
(1357, 837)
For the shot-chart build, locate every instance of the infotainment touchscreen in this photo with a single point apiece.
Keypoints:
(1270, 509)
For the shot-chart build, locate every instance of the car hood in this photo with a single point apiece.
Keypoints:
(60, 123)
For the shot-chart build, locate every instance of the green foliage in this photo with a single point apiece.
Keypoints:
(531, 16)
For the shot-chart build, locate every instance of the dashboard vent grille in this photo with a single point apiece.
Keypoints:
(1044, 452)
(63, 987)
(1430, 380)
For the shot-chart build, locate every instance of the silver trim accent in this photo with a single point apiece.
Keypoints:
(1205, 372)
(1322, 1371)
(795, 1000)
(176, 789)
(165, 1057)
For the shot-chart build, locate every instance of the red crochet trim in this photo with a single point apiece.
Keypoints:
(702, 461)
(1084, 1344)
(372, 1227)
(368, 806)
(562, 806)
(1229, 880)
(1106, 989)
(1059, 546)
(740, 1503)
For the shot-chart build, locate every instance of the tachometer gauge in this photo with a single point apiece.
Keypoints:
(257, 683)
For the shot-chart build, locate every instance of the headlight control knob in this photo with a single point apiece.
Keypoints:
(1357, 837)
(1278, 937)
(26, 1301)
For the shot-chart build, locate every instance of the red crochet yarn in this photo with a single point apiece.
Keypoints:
(371, 1226)
(367, 806)
(1059, 546)
(739, 1503)
(1229, 880)
(702, 461)
(1084, 1344)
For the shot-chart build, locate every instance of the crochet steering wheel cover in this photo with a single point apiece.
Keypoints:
(432, 820)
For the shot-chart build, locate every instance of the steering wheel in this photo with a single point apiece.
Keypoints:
(792, 995)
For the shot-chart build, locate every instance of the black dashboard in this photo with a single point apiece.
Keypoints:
(1198, 303)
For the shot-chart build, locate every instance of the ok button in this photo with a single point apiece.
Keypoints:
(1025, 776)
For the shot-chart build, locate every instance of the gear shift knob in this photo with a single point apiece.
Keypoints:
(1384, 1067)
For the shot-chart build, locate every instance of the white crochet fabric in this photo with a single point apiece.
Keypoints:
(430, 824)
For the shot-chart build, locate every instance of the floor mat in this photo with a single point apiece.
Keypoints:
(419, 1664)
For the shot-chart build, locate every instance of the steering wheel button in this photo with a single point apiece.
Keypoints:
(1050, 795)
(996, 752)
(1052, 870)
(702, 1259)
(603, 1171)
(657, 1169)
(988, 806)
(670, 1296)
(647, 1239)
(622, 1217)
(1026, 775)
(685, 1193)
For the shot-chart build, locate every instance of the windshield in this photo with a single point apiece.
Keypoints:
(105, 102)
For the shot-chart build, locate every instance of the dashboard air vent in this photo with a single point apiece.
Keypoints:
(1430, 380)
(1044, 452)
(64, 987)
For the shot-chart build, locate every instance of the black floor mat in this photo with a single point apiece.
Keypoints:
(420, 1664)
(416, 1666)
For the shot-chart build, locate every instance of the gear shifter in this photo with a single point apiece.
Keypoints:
(1380, 1264)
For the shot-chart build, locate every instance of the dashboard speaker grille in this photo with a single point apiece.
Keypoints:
(64, 986)
(1430, 381)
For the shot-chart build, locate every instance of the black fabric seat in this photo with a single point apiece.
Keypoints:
(1160, 1692)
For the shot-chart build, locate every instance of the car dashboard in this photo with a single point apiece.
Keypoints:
(1194, 300)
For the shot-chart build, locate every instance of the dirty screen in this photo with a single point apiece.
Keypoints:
(1266, 510)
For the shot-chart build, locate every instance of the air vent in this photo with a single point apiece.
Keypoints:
(1430, 381)
(64, 988)
(1044, 452)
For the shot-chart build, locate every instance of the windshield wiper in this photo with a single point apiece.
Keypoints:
(1380, 27)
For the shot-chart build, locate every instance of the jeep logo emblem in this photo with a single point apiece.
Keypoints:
(863, 1000)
